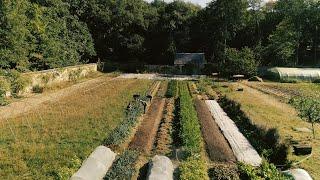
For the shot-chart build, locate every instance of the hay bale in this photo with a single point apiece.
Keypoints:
(298, 174)
(96, 165)
(161, 168)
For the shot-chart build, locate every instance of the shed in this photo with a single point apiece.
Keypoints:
(183, 59)
(303, 74)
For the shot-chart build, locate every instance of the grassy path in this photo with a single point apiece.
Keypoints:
(50, 142)
(267, 111)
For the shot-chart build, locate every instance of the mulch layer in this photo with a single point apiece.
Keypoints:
(217, 146)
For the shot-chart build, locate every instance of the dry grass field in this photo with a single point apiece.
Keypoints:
(52, 141)
(268, 111)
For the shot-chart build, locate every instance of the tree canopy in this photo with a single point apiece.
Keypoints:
(36, 35)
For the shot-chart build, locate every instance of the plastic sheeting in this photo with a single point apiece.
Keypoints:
(299, 174)
(161, 168)
(96, 165)
(240, 146)
(305, 74)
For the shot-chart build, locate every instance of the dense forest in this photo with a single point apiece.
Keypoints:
(42, 34)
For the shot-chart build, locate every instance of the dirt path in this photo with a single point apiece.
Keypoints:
(25, 105)
(217, 146)
(146, 133)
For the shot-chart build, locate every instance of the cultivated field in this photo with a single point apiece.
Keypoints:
(51, 141)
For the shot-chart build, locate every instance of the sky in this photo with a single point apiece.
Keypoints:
(202, 3)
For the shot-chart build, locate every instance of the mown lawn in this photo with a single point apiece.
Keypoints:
(52, 142)
(266, 110)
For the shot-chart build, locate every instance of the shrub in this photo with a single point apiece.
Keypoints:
(316, 81)
(123, 168)
(309, 109)
(74, 75)
(193, 168)
(239, 62)
(4, 88)
(18, 82)
(265, 171)
(37, 89)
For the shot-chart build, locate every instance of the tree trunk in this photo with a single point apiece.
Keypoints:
(313, 131)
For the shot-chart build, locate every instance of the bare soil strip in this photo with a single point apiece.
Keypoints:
(217, 146)
(25, 105)
(146, 133)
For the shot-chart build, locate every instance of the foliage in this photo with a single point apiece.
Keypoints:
(172, 89)
(266, 171)
(239, 62)
(309, 109)
(223, 172)
(18, 82)
(41, 35)
(74, 75)
(122, 132)
(191, 134)
(37, 89)
(123, 168)
(4, 88)
(193, 169)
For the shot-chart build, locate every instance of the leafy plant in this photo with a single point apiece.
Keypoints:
(37, 89)
(266, 171)
(224, 172)
(18, 82)
(309, 109)
(172, 89)
(123, 167)
(193, 168)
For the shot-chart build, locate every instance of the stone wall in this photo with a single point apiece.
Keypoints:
(56, 76)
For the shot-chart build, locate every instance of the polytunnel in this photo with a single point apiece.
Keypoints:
(303, 74)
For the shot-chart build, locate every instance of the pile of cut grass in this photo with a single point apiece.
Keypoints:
(51, 142)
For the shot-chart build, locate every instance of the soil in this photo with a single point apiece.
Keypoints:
(144, 138)
(164, 141)
(217, 146)
(25, 105)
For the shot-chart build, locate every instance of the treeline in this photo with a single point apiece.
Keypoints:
(42, 34)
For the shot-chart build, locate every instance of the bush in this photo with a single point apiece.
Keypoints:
(265, 171)
(18, 82)
(316, 81)
(37, 89)
(4, 88)
(123, 168)
(193, 168)
(239, 62)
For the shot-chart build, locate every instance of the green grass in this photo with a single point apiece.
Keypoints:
(52, 142)
(267, 111)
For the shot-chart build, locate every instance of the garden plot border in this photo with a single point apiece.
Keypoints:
(241, 147)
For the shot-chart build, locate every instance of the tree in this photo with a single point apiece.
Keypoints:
(309, 109)
(14, 34)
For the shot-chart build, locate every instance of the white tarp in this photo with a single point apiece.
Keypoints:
(299, 174)
(307, 74)
(161, 168)
(240, 146)
(96, 165)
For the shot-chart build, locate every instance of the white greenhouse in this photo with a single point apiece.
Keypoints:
(303, 74)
